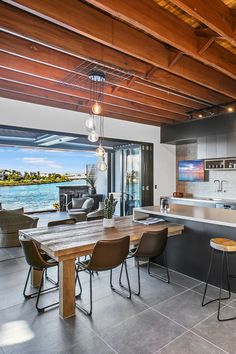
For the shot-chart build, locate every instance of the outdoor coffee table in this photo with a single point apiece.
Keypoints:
(65, 243)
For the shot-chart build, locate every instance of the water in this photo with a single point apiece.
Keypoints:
(33, 197)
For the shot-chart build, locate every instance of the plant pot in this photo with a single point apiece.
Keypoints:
(92, 190)
(108, 222)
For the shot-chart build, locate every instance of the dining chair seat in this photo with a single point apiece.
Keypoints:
(106, 255)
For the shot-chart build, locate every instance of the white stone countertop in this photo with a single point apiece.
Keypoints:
(206, 200)
(223, 217)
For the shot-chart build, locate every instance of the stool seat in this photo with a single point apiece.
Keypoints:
(223, 244)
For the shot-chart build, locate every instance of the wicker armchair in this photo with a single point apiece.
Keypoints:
(10, 224)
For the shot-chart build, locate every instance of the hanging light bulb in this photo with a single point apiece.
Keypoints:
(93, 136)
(102, 166)
(90, 123)
(100, 150)
(96, 108)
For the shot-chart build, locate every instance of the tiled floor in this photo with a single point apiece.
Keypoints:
(165, 319)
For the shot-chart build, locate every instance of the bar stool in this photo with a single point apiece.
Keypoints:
(224, 246)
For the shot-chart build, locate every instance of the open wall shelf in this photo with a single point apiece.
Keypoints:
(221, 164)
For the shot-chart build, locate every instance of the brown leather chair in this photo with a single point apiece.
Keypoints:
(57, 223)
(70, 221)
(37, 261)
(151, 245)
(107, 255)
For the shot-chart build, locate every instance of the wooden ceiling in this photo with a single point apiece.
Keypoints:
(162, 59)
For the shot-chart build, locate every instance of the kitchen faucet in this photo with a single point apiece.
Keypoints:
(219, 185)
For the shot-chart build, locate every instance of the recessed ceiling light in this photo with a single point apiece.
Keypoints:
(200, 116)
(230, 109)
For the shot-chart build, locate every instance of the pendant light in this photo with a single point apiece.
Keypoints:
(97, 79)
(90, 123)
(102, 166)
(93, 136)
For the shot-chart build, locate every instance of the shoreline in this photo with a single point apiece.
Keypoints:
(31, 184)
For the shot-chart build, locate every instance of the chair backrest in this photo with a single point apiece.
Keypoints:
(109, 254)
(32, 254)
(152, 243)
(10, 224)
(62, 222)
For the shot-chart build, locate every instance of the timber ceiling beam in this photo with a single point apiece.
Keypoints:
(9, 77)
(49, 101)
(114, 34)
(47, 72)
(214, 14)
(35, 52)
(149, 17)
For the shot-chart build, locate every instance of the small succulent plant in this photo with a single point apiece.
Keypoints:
(108, 207)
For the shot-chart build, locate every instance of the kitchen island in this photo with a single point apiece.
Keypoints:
(190, 253)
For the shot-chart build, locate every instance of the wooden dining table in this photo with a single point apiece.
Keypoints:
(65, 243)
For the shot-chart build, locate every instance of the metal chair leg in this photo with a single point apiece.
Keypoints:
(122, 293)
(224, 255)
(167, 279)
(125, 287)
(41, 309)
(52, 280)
(84, 310)
(219, 299)
(31, 295)
(207, 279)
(77, 278)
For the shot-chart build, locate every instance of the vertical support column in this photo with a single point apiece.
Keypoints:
(67, 288)
(36, 278)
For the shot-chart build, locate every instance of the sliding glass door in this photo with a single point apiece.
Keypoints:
(131, 168)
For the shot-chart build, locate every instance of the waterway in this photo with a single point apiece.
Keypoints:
(32, 197)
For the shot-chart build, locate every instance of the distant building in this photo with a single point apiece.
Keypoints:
(4, 174)
(91, 169)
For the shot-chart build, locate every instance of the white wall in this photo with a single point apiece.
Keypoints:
(27, 115)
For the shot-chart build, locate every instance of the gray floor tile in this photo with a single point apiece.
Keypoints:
(213, 292)
(15, 252)
(109, 312)
(222, 334)
(89, 346)
(186, 309)
(51, 334)
(142, 334)
(189, 343)
(12, 265)
(154, 291)
(183, 280)
(4, 255)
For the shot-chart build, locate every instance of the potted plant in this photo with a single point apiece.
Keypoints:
(91, 181)
(56, 206)
(109, 220)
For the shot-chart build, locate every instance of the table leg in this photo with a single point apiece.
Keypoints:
(35, 278)
(67, 288)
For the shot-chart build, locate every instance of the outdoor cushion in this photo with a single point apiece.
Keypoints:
(78, 202)
(88, 204)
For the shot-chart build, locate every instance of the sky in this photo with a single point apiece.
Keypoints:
(47, 161)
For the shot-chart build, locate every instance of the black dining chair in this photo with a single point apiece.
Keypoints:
(40, 262)
(107, 255)
(70, 221)
(151, 245)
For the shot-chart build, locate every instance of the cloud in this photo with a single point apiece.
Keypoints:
(41, 161)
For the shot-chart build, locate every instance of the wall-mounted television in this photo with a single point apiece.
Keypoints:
(191, 171)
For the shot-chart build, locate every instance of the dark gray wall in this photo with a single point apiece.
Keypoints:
(190, 131)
